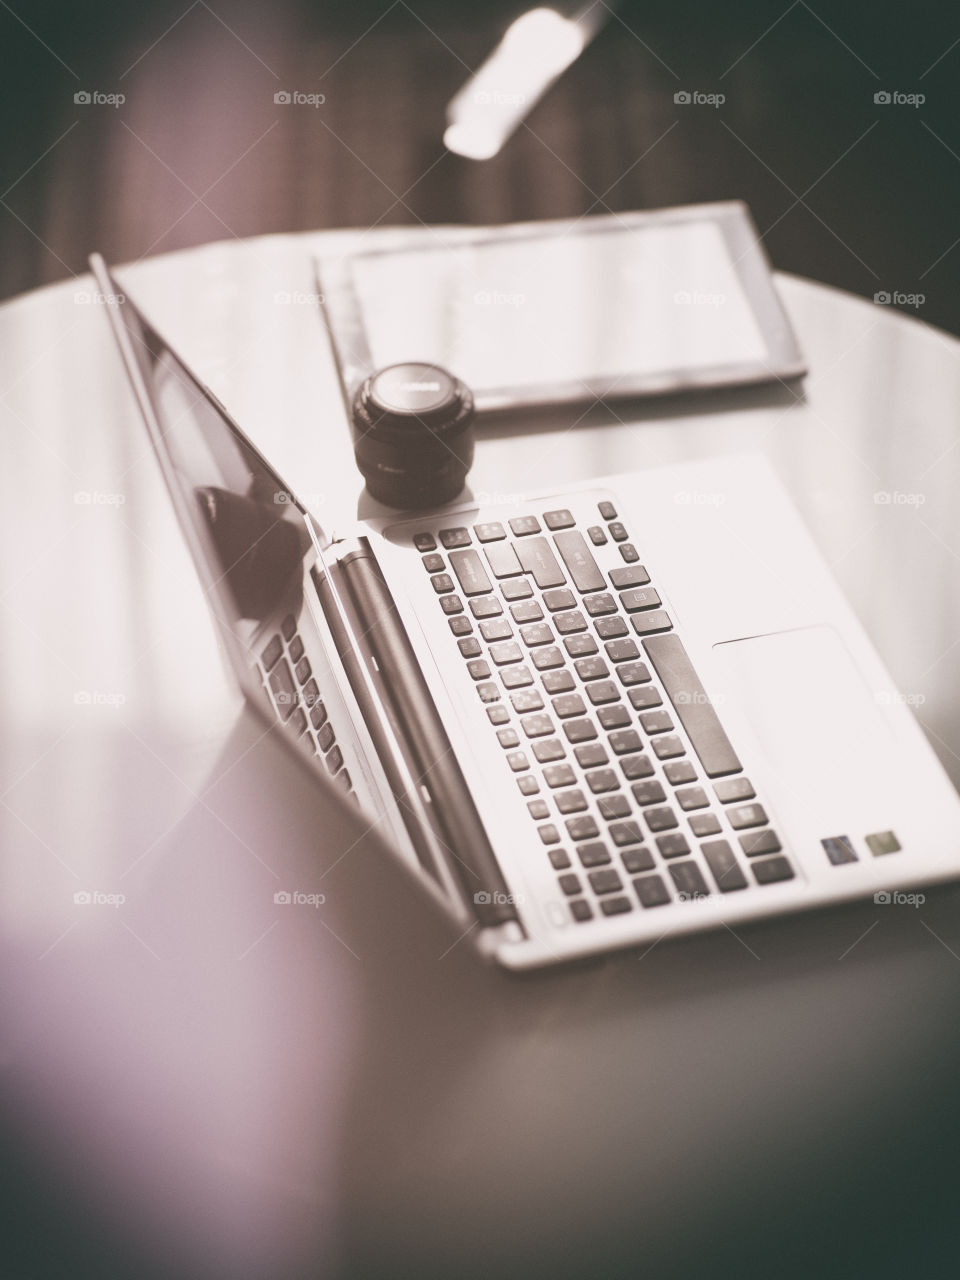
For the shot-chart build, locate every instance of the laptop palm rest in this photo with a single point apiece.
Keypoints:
(823, 741)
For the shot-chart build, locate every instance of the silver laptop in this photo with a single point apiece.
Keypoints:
(622, 710)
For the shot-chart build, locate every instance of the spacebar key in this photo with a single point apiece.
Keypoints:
(692, 705)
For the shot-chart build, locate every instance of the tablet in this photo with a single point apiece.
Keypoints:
(595, 308)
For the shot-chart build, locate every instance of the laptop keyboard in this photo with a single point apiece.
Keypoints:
(296, 696)
(636, 795)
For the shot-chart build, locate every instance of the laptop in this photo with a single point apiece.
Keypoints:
(602, 714)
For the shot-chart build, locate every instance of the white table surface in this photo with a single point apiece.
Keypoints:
(262, 1091)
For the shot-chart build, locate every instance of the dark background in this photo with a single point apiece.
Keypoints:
(859, 195)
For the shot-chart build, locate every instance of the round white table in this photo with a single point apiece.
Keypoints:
(199, 1084)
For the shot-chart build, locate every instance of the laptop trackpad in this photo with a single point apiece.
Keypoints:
(817, 722)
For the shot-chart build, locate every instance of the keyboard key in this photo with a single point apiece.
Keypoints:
(569, 622)
(547, 659)
(424, 542)
(525, 700)
(561, 519)
(621, 650)
(470, 572)
(633, 673)
(335, 760)
(548, 749)
(637, 599)
(498, 714)
(747, 815)
(651, 891)
(646, 624)
(615, 906)
(623, 833)
(629, 553)
(650, 792)
(580, 646)
(502, 560)
(600, 604)
(624, 741)
(637, 860)
(568, 704)
(661, 819)
(603, 691)
(318, 715)
(518, 761)
(655, 722)
(527, 784)
(591, 755)
(485, 607)
(299, 722)
(535, 633)
(582, 828)
(272, 652)
(571, 801)
(691, 798)
(689, 880)
(559, 859)
(524, 525)
(610, 628)
(538, 809)
(284, 690)
(537, 558)
(634, 575)
(461, 626)
(769, 870)
(593, 854)
(488, 691)
(489, 532)
(548, 833)
(607, 880)
(559, 775)
(644, 698)
(344, 780)
(679, 772)
(578, 558)
(479, 670)
(723, 866)
(469, 647)
(296, 649)
(537, 725)
(607, 510)
(599, 780)
(581, 910)
(458, 537)
(668, 747)
(506, 651)
(311, 694)
(557, 681)
(570, 884)
(704, 824)
(326, 737)
(516, 589)
(288, 626)
(597, 535)
(515, 677)
(433, 563)
(508, 737)
(692, 705)
(614, 716)
(579, 730)
(757, 842)
(451, 604)
(593, 668)
(618, 531)
(613, 806)
(526, 611)
(559, 599)
(636, 767)
(496, 629)
(881, 842)
(730, 789)
(673, 845)
(302, 671)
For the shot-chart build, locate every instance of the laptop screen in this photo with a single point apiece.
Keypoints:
(246, 524)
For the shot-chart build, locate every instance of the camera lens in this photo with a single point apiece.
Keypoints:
(413, 438)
